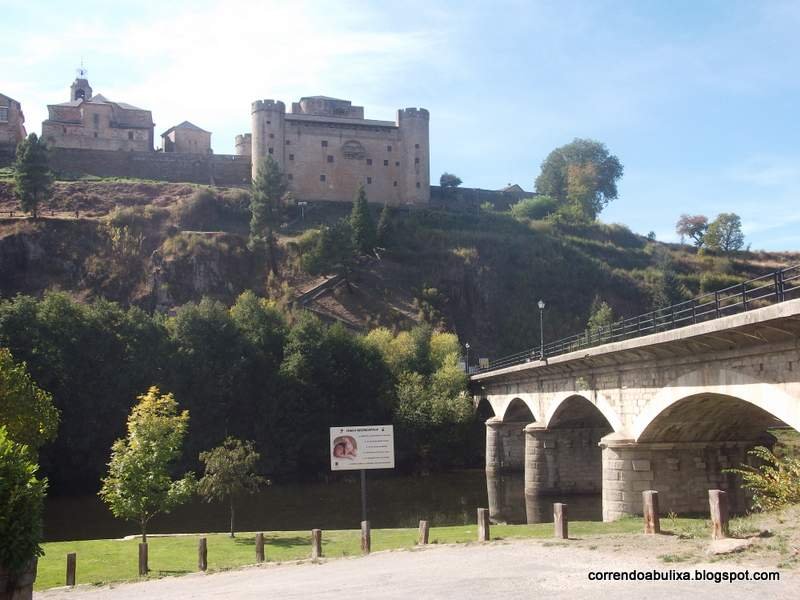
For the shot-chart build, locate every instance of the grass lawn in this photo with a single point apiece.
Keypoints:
(103, 561)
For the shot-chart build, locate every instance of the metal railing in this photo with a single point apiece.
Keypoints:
(754, 293)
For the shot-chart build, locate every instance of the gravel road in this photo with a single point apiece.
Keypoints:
(513, 569)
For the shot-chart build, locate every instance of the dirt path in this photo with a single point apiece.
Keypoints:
(515, 569)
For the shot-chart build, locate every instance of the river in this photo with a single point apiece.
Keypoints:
(393, 501)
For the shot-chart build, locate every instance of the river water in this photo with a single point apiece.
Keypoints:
(393, 501)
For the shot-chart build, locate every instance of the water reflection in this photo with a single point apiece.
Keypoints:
(508, 502)
(394, 501)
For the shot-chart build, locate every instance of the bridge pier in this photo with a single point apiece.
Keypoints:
(681, 472)
(505, 446)
(506, 498)
(562, 460)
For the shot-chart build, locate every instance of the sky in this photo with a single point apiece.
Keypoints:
(699, 99)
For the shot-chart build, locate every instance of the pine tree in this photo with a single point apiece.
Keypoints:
(269, 187)
(384, 225)
(33, 180)
(361, 224)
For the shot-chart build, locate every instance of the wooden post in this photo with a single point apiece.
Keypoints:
(560, 521)
(143, 560)
(72, 560)
(652, 522)
(423, 533)
(483, 525)
(316, 543)
(718, 503)
(366, 541)
(259, 547)
(202, 554)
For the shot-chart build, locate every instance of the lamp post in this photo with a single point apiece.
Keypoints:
(541, 329)
(466, 361)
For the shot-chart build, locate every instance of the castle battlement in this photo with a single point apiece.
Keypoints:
(268, 104)
(413, 113)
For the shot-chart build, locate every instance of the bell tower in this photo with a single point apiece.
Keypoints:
(80, 88)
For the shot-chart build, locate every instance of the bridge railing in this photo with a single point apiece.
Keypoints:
(772, 288)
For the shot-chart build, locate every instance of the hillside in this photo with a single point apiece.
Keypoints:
(480, 274)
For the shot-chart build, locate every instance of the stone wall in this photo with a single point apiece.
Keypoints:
(505, 446)
(217, 169)
(563, 461)
(470, 199)
(8, 153)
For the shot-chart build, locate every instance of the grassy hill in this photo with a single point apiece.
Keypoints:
(480, 274)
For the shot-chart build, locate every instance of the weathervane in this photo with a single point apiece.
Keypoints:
(81, 72)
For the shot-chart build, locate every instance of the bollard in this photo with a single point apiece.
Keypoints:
(202, 554)
(316, 543)
(718, 503)
(143, 560)
(652, 520)
(72, 560)
(483, 525)
(423, 533)
(366, 541)
(560, 521)
(259, 547)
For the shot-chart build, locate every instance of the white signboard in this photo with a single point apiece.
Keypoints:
(362, 447)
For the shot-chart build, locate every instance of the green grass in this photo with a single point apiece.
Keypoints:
(104, 561)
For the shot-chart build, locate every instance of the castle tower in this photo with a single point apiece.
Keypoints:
(244, 144)
(413, 124)
(268, 133)
(80, 88)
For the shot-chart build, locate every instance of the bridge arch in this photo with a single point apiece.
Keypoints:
(574, 406)
(713, 391)
(518, 411)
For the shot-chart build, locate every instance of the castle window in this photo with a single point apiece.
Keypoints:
(271, 150)
(64, 131)
(369, 162)
(291, 157)
(386, 163)
(269, 122)
(416, 161)
(288, 142)
(330, 158)
(416, 146)
(95, 133)
(290, 177)
(388, 148)
(322, 177)
(394, 184)
(96, 119)
(324, 143)
(3, 114)
(397, 163)
(418, 185)
(130, 135)
(271, 136)
(369, 180)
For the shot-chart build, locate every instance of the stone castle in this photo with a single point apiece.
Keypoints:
(325, 147)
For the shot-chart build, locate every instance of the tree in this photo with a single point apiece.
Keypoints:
(332, 251)
(725, 233)
(362, 226)
(601, 316)
(384, 226)
(583, 174)
(449, 182)
(692, 226)
(230, 473)
(21, 506)
(26, 410)
(33, 180)
(138, 485)
(269, 187)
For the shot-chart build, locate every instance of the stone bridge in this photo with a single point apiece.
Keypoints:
(667, 411)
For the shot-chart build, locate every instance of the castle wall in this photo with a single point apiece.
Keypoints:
(95, 132)
(8, 153)
(12, 127)
(219, 169)
(471, 198)
(187, 141)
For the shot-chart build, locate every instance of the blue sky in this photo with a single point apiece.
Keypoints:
(699, 100)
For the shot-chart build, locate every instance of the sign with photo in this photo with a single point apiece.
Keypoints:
(362, 447)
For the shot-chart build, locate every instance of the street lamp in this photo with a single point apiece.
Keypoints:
(541, 329)
(466, 362)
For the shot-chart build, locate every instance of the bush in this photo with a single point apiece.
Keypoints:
(775, 483)
(137, 218)
(21, 505)
(534, 208)
(711, 282)
(200, 211)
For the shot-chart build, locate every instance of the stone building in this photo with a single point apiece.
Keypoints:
(244, 144)
(12, 121)
(94, 122)
(327, 148)
(186, 138)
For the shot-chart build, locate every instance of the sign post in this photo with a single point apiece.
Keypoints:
(361, 448)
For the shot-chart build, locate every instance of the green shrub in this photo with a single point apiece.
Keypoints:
(711, 282)
(200, 211)
(137, 218)
(534, 208)
(21, 505)
(775, 483)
